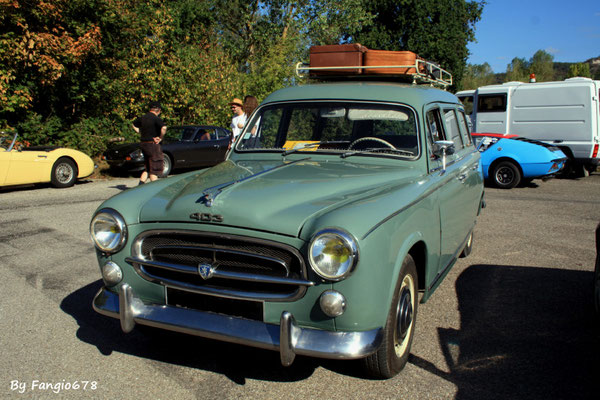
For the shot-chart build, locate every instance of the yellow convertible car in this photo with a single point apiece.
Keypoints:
(40, 164)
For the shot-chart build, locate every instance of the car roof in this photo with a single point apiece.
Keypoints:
(415, 95)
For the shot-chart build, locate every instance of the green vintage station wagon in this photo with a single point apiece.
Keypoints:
(341, 206)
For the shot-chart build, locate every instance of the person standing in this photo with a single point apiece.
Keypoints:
(239, 117)
(152, 129)
(250, 104)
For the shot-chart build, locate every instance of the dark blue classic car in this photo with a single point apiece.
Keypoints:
(510, 159)
(183, 147)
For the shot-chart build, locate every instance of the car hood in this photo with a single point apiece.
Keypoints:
(271, 196)
(123, 149)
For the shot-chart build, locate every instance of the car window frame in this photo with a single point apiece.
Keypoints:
(457, 146)
(464, 127)
(288, 106)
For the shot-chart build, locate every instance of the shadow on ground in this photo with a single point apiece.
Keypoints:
(526, 333)
(234, 361)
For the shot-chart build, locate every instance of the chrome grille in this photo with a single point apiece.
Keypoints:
(241, 267)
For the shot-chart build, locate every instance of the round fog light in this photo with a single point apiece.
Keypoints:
(332, 303)
(111, 273)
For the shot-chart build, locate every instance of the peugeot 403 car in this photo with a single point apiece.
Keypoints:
(340, 207)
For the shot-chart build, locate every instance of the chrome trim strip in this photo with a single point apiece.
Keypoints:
(412, 203)
(136, 262)
(225, 251)
(289, 340)
(409, 205)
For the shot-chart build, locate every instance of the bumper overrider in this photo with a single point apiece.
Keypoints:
(287, 337)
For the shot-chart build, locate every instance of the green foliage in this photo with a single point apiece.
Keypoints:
(38, 130)
(517, 70)
(92, 135)
(436, 30)
(579, 69)
(477, 75)
(541, 64)
(77, 72)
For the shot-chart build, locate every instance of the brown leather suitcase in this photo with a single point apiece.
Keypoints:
(338, 55)
(385, 57)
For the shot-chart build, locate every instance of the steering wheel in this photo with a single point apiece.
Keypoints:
(374, 139)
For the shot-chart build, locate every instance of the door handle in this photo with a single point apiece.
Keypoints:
(462, 177)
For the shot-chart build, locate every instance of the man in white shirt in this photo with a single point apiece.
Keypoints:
(239, 117)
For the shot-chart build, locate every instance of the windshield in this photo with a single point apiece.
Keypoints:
(6, 140)
(370, 129)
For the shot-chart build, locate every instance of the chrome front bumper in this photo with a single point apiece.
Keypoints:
(287, 337)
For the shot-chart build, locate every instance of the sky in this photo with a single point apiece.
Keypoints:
(567, 29)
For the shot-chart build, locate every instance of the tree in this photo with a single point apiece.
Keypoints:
(41, 44)
(477, 75)
(517, 70)
(438, 31)
(579, 69)
(542, 65)
(265, 39)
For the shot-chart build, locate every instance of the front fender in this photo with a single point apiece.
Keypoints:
(369, 290)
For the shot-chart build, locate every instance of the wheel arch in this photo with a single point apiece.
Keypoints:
(501, 159)
(416, 247)
(66, 157)
(170, 154)
(419, 254)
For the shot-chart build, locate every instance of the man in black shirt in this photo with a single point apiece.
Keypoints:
(152, 129)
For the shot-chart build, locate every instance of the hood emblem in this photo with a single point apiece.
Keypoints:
(205, 217)
(206, 271)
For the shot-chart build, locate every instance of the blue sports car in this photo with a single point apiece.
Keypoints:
(510, 159)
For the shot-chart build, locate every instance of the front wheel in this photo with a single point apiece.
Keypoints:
(167, 166)
(392, 355)
(64, 173)
(506, 175)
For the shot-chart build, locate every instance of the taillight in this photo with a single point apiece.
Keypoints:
(595, 153)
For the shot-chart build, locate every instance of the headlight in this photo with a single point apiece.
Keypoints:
(137, 154)
(108, 230)
(333, 254)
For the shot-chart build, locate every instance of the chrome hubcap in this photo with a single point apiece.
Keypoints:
(405, 313)
(64, 173)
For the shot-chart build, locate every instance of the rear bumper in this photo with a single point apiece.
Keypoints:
(287, 338)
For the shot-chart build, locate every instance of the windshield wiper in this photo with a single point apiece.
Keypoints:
(309, 145)
(378, 150)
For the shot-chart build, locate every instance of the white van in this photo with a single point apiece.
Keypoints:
(565, 114)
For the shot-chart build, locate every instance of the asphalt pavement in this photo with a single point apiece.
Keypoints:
(514, 320)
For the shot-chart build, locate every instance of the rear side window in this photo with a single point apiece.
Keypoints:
(491, 102)
(453, 129)
(434, 126)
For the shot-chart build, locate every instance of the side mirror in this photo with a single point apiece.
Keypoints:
(443, 148)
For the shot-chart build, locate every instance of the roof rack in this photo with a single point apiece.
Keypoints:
(421, 72)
